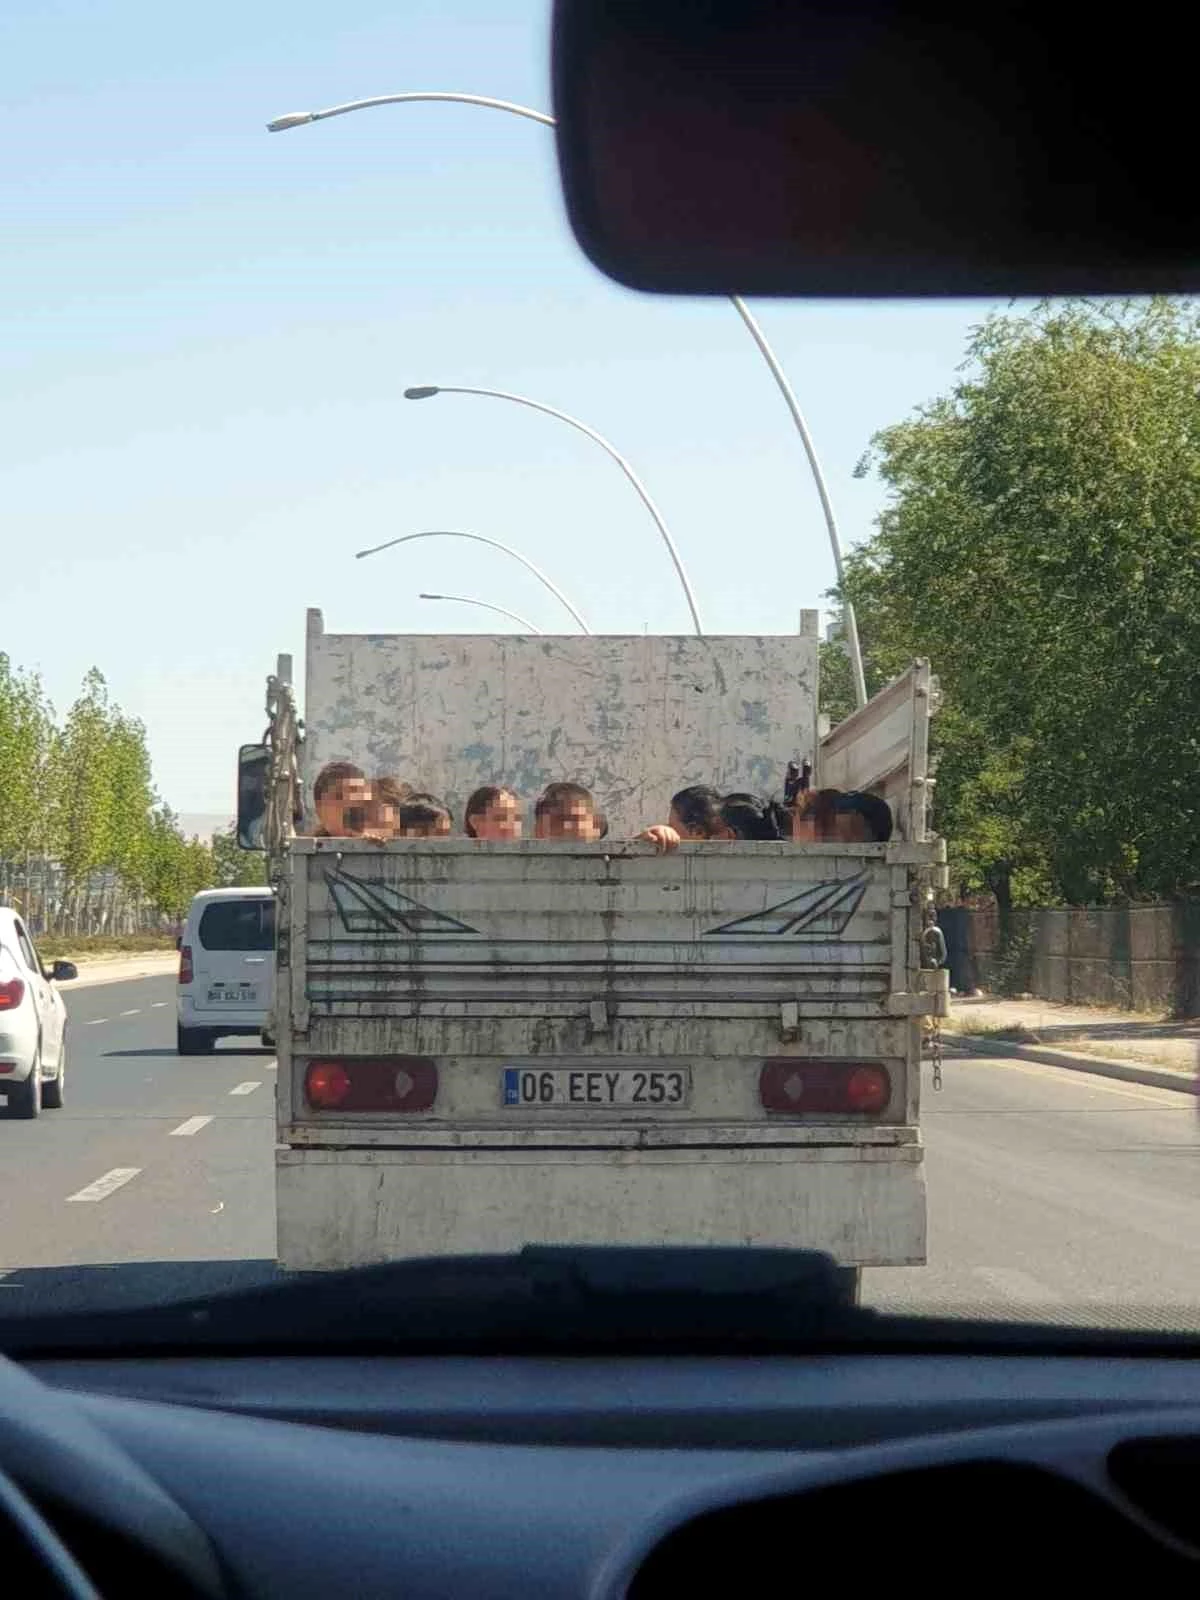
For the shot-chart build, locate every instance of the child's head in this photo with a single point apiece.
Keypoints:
(341, 796)
(696, 813)
(748, 816)
(423, 816)
(567, 811)
(493, 813)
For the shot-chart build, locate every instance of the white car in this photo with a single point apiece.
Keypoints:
(226, 967)
(33, 1023)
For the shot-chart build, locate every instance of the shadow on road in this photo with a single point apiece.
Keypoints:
(123, 1285)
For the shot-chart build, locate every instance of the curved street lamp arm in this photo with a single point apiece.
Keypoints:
(611, 450)
(479, 538)
(793, 405)
(485, 605)
(297, 119)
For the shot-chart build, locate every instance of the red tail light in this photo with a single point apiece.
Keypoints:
(813, 1088)
(186, 974)
(12, 992)
(392, 1083)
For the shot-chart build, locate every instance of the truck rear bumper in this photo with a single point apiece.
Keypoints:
(340, 1208)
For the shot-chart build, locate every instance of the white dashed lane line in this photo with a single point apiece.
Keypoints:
(155, 1005)
(247, 1088)
(136, 1012)
(192, 1125)
(103, 1187)
(93, 1021)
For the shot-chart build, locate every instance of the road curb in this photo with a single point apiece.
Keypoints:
(1100, 1066)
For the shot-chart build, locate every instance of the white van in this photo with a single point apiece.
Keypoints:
(226, 967)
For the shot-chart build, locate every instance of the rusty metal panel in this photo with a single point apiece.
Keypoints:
(633, 718)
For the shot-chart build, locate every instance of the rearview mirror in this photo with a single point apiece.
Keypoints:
(875, 147)
(254, 770)
(64, 971)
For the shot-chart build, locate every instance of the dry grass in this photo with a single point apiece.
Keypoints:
(81, 947)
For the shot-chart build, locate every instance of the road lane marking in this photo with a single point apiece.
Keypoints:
(92, 1021)
(155, 1004)
(103, 1187)
(136, 1012)
(247, 1088)
(1164, 1099)
(192, 1125)
(1016, 1285)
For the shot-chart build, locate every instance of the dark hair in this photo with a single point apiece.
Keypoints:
(479, 802)
(330, 776)
(554, 797)
(750, 817)
(698, 807)
(824, 804)
(423, 811)
(392, 790)
(876, 813)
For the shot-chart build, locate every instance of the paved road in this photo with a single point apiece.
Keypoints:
(156, 1177)
(1055, 1195)
(1052, 1193)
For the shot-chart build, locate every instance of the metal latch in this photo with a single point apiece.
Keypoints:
(598, 1015)
(789, 1019)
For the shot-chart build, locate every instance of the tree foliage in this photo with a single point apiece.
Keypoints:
(85, 844)
(1041, 546)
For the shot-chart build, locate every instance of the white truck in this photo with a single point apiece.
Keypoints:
(487, 1045)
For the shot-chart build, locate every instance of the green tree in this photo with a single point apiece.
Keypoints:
(81, 794)
(233, 866)
(836, 682)
(26, 732)
(1041, 546)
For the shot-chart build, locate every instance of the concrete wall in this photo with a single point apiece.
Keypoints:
(633, 718)
(1140, 957)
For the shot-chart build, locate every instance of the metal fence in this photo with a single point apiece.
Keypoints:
(1140, 957)
(103, 904)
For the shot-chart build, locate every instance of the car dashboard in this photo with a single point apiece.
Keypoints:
(607, 1476)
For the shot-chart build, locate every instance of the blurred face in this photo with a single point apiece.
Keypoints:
(685, 830)
(425, 830)
(501, 819)
(574, 819)
(343, 808)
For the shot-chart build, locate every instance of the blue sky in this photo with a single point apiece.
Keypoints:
(207, 330)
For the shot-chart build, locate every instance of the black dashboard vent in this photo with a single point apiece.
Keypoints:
(1161, 1477)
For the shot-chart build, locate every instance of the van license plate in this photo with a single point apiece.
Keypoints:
(234, 997)
(593, 1088)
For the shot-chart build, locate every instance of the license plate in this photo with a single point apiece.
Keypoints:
(594, 1088)
(246, 996)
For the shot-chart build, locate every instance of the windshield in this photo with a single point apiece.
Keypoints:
(635, 887)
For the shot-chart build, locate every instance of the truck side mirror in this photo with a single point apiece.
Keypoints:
(254, 767)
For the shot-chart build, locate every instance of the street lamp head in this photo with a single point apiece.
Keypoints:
(294, 119)
(424, 391)
(431, 597)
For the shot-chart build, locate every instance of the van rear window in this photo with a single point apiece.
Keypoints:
(238, 925)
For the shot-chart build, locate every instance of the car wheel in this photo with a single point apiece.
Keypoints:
(54, 1092)
(25, 1099)
(194, 1041)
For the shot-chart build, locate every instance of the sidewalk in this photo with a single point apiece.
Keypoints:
(1139, 1046)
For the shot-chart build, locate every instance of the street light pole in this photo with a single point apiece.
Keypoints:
(486, 605)
(478, 538)
(297, 119)
(835, 543)
(428, 390)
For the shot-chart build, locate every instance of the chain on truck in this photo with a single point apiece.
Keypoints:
(486, 1045)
